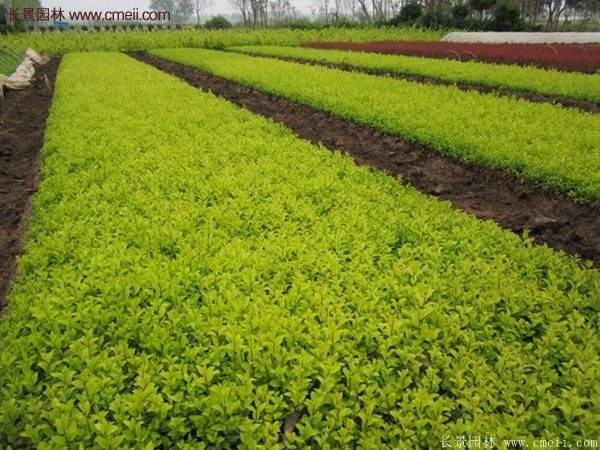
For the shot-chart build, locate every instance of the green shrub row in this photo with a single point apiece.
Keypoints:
(532, 79)
(544, 143)
(193, 274)
(61, 43)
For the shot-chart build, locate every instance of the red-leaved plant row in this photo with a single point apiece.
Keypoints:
(570, 57)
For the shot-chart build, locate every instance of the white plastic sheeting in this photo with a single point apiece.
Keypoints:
(523, 38)
(21, 77)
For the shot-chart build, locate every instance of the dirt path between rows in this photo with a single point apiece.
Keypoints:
(552, 219)
(23, 117)
(583, 105)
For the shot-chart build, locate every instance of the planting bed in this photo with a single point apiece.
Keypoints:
(84, 41)
(569, 57)
(550, 218)
(22, 122)
(550, 145)
(198, 277)
(576, 90)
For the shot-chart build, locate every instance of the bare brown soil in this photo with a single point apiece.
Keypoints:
(23, 117)
(567, 102)
(552, 218)
(567, 57)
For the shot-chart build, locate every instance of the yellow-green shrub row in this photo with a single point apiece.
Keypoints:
(549, 82)
(543, 143)
(61, 43)
(193, 274)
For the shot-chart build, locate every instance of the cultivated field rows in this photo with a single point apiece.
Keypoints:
(544, 143)
(490, 194)
(195, 274)
(529, 79)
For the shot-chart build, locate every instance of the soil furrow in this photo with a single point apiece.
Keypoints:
(23, 117)
(551, 218)
(583, 105)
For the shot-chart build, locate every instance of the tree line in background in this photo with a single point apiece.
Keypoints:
(501, 15)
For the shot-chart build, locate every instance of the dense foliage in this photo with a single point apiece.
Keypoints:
(194, 274)
(551, 82)
(545, 143)
(217, 23)
(61, 43)
(504, 15)
(9, 60)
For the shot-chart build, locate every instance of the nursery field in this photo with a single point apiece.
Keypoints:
(569, 57)
(220, 240)
(530, 79)
(544, 143)
(196, 276)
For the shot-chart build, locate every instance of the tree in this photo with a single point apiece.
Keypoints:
(218, 23)
(364, 10)
(254, 12)
(4, 18)
(555, 10)
(282, 11)
(184, 10)
(481, 6)
(201, 6)
(460, 12)
(243, 6)
(181, 10)
(409, 13)
(507, 16)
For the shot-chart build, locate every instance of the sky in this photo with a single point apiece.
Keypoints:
(218, 7)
